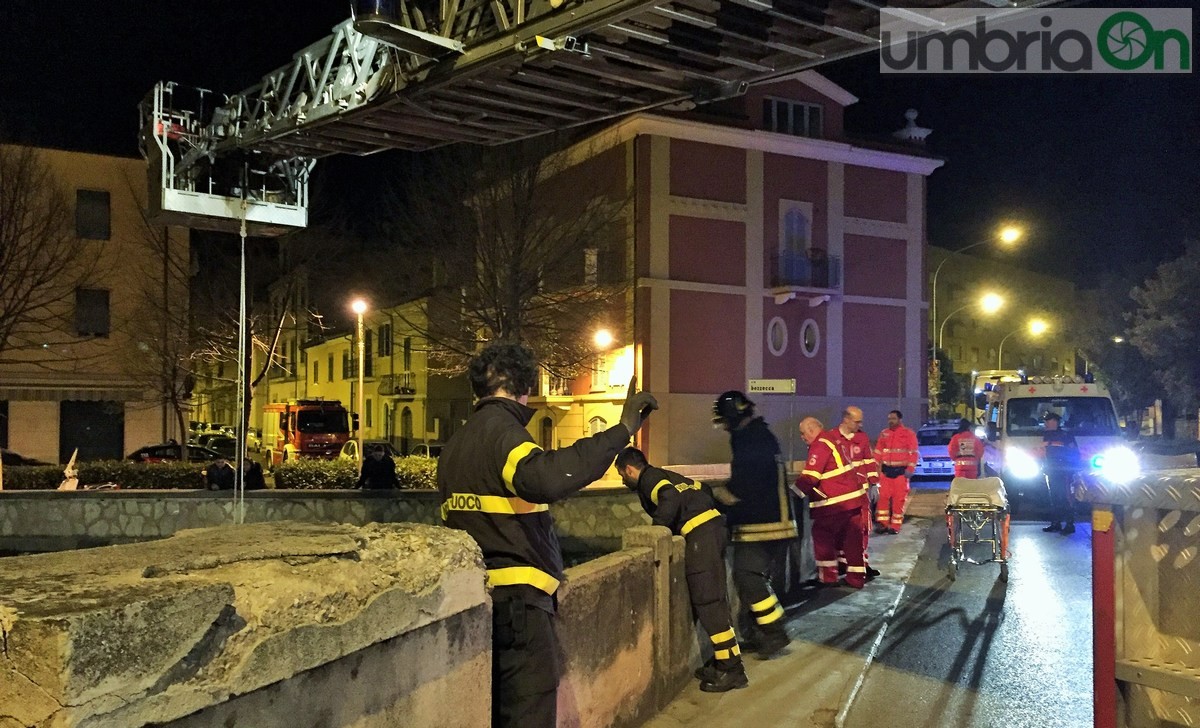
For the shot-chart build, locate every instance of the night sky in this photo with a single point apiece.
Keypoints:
(1104, 169)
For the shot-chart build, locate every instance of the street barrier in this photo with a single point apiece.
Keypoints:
(1146, 598)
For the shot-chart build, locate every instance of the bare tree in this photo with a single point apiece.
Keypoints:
(522, 243)
(42, 263)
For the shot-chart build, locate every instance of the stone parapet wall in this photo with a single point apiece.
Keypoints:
(38, 521)
(276, 625)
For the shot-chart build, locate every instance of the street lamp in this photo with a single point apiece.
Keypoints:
(603, 339)
(1008, 235)
(359, 307)
(990, 303)
(1037, 327)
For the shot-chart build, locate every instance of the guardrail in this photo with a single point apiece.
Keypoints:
(1145, 584)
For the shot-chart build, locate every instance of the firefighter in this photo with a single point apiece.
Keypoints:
(837, 501)
(966, 450)
(896, 453)
(759, 514)
(855, 447)
(687, 508)
(496, 484)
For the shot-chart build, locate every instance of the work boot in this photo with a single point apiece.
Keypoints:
(707, 671)
(1053, 528)
(726, 680)
(1068, 529)
(871, 572)
(880, 530)
(894, 531)
(772, 644)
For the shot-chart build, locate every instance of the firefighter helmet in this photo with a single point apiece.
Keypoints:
(731, 407)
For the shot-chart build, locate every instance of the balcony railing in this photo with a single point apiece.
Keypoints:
(402, 383)
(804, 269)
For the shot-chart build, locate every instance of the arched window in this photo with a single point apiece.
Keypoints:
(406, 430)
(596, 425)
(546, 433)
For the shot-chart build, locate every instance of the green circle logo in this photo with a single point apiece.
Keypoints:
(1126, 40)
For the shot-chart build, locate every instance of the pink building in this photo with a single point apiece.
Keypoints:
(767, 246)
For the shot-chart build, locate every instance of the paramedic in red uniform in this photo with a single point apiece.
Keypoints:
(856, 448)
(896, 453)
(966, 450)
(837, 498)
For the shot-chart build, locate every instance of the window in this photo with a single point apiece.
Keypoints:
(385, 340)
(974, 354)
(346, 364)
(795, 225)
(316, 372)
(596, 425)
(546, 434)
(368, 407)
(91, 312)
(329, 368)
(368, 351)
(810, 338)
(408, 353)
(92, 214)
(792, 117)
(777, 336)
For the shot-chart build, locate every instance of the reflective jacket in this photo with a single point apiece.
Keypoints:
(829, 479)
(897, 449)
(495, 484)
(966, 450)
(758, 479)
(857, 449)
(680, 504)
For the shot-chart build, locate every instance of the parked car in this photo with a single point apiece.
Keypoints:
(8, 457)
(223, 444)
(427, 449)
(254, 440)
(169, 452)
(933, 441)
(350, 449)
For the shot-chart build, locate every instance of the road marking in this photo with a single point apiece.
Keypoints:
(840, 720)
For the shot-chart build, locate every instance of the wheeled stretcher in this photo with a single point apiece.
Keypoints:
(977, 513)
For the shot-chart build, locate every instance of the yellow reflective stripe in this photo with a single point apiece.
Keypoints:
(654, 493)
(838, 498)
(723, 637)
(772, 617)
(704, 517)
(765, 531)
(498, 504)
(836, 472)
(510, 463)
(764, 604)
(856, 569)
(837, 456)
(514, 575)
(811, 474)
(827, 564)
(727, 654)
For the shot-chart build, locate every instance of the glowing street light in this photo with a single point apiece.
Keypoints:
(603, 339)
(359, 307)
(1118, 339)
(989, 304)
(1007, 235)
(1035, 327)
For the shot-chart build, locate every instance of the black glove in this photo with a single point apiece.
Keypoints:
(637, 408)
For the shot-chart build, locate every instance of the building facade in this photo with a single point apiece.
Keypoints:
(91, 372)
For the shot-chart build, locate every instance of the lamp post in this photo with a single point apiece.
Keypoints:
(360, 307)
(1007, 235)
(990, 303)
(1037, 327)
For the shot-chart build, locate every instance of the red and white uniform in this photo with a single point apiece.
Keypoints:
(966, 451)
(895, 451)
(837, 498)
(857, 450)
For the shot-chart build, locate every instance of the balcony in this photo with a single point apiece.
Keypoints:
(403, 384)
(796, 273)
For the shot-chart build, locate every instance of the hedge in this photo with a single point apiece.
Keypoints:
(416, 472)
(127, 474)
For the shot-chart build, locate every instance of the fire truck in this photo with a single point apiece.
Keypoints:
(305, 428)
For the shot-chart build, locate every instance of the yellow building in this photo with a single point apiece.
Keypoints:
(86, 367)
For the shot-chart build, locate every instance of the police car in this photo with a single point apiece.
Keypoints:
(933, 440)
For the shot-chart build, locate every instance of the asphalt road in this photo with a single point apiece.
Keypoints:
(979, 653)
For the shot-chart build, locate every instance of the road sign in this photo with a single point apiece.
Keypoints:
(772, 386)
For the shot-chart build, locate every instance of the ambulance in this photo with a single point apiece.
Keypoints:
(1013, 424)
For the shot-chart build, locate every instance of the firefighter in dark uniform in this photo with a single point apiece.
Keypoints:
(687, 508)
(495, 483)
(761, 523)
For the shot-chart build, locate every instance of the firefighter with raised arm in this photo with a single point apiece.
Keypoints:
(896, 453)
(496, 483)
(762, 527)
(687, 508)
(837, 499)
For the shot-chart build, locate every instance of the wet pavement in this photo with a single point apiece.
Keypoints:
(915, 649)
